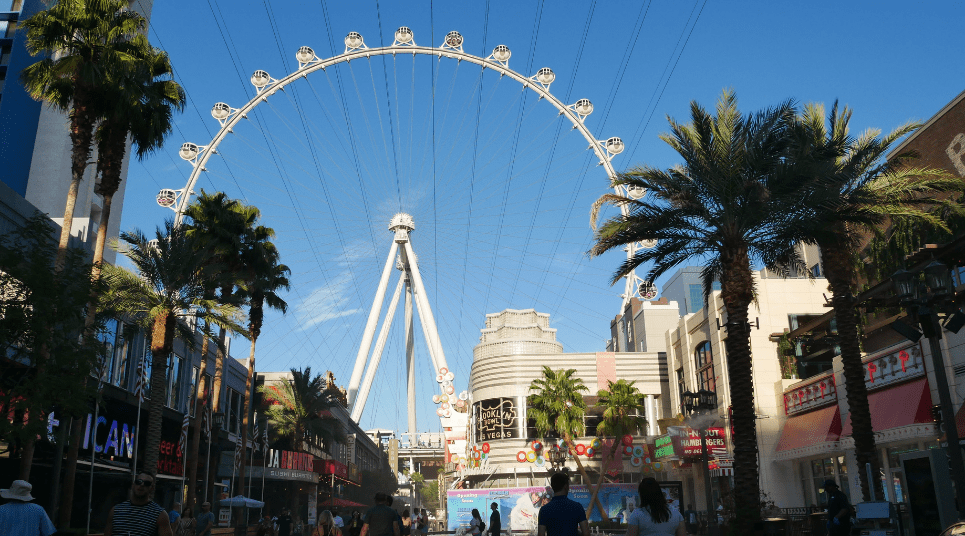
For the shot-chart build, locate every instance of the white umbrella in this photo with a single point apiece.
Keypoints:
(240, 500)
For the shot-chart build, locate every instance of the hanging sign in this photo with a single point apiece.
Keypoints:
(691, 443)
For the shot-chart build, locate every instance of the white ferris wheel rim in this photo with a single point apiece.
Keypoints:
(203, 153)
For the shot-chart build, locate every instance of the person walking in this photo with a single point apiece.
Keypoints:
(691, 520)
(381, 520)
(476, 525)
(284, 523)
(326, 525)
(186, 525)
(562, 516)
(654, 517)
(20, 517)
(266, 527)
(355, 525)
(174, 515)
(839, 510)
(139, 516)
(406, 528)
(339, 522)
(495, 524)
(205, 520)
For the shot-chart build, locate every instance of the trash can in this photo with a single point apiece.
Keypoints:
(819, 523)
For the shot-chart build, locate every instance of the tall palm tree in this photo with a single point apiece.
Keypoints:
(300, 407)
(221, 226)
(855, 194)
(557, 405)
(84, 43)
(724, 206)
(267, 277)
(623, 413)
(169, 284)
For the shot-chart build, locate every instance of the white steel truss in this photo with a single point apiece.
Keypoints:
(410, 283)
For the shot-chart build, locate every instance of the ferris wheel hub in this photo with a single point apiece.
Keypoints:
(402, 222)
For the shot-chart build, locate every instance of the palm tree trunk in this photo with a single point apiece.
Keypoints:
(196, 427)
(586, 478)
(607, 458)
(837, 268)
(81, 137)
(162, 338)
(70, 472)
(737, 285)
(27, 456)
(245, 418)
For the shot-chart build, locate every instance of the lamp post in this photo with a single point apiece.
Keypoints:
(557, 457)
(925, 301)
(697, 408)
(217, 421)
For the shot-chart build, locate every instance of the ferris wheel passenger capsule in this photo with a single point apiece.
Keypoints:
(614, 145)
(546, 76)
(305, 55)
(584, 107)
(167, 197)
(403, 34)
(189, 151)
(450, 376)
(220, 111)
(636, 192)
(501, 53)
(454, 39)
(260, 79)
(353, 40)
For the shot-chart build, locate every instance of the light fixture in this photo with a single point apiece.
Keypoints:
(955, 321)
(939, 279)
(906, 286)
(906, 331)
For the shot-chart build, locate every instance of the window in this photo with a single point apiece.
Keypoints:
(174, 381)
(695, 300)
(193, 391)
(122, 358)
(816, 270)
(233, 413)
(681, 384)
(148, 365)
(704, 360)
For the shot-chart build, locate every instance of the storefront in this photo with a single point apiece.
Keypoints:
(279, 478)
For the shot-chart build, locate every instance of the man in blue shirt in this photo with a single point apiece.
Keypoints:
(562, 516)
(20, 517)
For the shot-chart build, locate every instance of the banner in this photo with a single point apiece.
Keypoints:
(519, 507)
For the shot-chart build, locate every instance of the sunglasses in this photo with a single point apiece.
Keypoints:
(142, 482)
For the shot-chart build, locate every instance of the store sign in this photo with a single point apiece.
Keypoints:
(667, 447)
(691, 444)
(110, 437)
(273, 473)
(286, 459)
(496, 418)
(892, 366)
(353, 473)
(331, 467)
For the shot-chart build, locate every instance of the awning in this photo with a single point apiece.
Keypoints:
(812, 428)
(722, 471)
(901, 405)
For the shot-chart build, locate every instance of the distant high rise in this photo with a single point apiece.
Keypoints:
(686, 287)
(34, 143)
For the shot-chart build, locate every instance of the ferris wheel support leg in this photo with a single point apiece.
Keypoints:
(425, 312)
(425, 329)
(369, 333)
(410, 363)
(363, 393)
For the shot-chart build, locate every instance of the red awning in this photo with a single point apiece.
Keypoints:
(340, 503)
(960, 421)
(908, 403)
(812, 428)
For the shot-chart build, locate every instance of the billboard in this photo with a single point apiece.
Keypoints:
(519, 507)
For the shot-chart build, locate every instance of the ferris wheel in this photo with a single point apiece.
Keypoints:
(268, 89)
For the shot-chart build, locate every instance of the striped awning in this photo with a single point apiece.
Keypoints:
(722, 471)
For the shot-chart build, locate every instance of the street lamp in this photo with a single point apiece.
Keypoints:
(924, 302)
(557, 457)
(697, 408)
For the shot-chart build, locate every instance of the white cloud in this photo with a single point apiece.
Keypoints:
(326, 302)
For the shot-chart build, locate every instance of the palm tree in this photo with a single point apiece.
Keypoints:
(725, 206)
(220, 225)
(169, 283)
(557, 405)
(855, 194)
(267, 277)
(623, 413)
(84, 43)
(300, 407)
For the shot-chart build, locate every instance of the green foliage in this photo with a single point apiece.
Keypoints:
(299, 408)
(787, 357)
(624, 410)
(557, 404)
(41, 316)
(430, 496)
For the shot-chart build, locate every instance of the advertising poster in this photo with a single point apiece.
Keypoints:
(519, 507)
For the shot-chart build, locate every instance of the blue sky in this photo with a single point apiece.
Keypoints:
(499, 186)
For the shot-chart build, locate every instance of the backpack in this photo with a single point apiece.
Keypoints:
(482, 527)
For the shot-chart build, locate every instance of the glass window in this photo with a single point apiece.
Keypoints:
(193, 390)
(704, 361)
(695, 298)
(681, 384)
(233, 415)
(123, 357)
(174, 381)
(107, 337)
